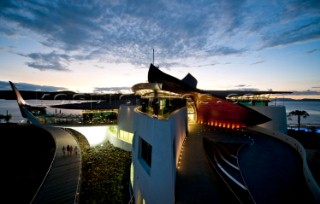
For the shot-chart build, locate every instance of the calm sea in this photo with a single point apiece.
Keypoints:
(12, 107)
(312, 107)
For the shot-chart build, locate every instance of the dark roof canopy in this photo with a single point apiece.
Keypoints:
(189, 84)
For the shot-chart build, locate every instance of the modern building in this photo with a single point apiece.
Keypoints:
(159, 127)
(156, 127)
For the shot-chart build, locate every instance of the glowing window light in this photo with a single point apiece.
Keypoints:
(125, 136)
(132, 174)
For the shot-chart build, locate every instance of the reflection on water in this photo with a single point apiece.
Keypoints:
(59, 115)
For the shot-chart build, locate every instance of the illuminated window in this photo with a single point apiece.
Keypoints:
(146, 151)
(125, 136)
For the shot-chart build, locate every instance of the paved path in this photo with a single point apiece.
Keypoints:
(62, 181)
(196, 182)
(272, 170)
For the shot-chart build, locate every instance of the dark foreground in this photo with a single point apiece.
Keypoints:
(27, 154)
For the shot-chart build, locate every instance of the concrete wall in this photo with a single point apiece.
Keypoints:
(278, 116)
(115, 141)
(126, 118)
(311, 182)
(156, 184)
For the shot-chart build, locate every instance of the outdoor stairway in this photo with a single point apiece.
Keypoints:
(223, 158)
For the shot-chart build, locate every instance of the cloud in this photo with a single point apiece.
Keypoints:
(4, 85)
(223, 50)
(127, 31)
(301, 33)
(112, 89)
(207, 65)
(241, 85)
(258, 62)
(244, 87)
(311, 51)
(48, 61)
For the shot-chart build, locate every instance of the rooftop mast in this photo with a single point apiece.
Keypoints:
(153, 56)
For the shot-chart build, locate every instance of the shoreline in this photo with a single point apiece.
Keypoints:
(306, 127)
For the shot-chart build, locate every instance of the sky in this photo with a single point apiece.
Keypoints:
(107, 45)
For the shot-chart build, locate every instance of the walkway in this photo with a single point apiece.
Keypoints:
(272, 170)
(62, 182)
(196, 182)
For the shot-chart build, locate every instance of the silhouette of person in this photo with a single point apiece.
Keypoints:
(76, 150)
(68, 149)
(64, 150)
(71, 149)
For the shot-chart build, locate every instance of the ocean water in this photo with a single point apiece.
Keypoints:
(11, 106)
(312, 107)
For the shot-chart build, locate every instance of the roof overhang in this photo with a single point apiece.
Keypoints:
(153, 90)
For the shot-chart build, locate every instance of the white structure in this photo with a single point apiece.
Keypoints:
(278, 116)
(155, 149)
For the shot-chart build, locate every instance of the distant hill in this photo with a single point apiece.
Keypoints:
(63, 95)
(310, 99)
(291, 99)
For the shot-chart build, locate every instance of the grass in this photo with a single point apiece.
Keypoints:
(105, 173)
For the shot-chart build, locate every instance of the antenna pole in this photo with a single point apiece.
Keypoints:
(153, 56)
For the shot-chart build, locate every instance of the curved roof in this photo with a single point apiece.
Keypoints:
(189, 83)
(211, 108)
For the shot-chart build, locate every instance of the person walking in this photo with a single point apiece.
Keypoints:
(76, 150)
(68, 150)
(64, 150)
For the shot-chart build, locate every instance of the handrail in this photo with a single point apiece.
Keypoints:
(243, 194)
(225, 160)
(228, 152)
(228, 175)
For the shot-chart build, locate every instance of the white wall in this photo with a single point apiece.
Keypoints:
(277, 114)
(157, 184)
(126, 117)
